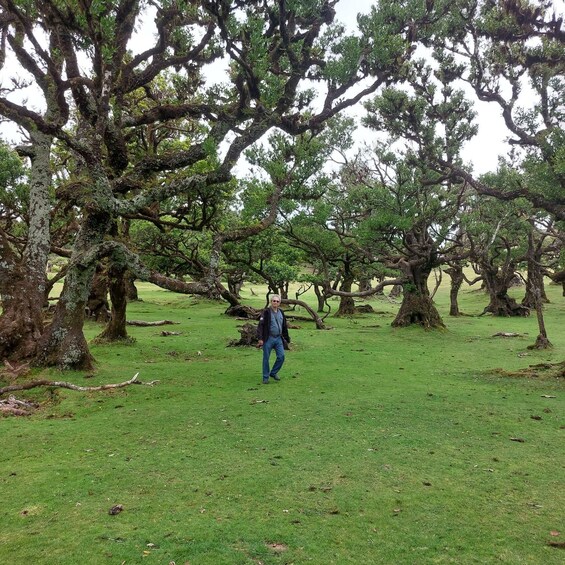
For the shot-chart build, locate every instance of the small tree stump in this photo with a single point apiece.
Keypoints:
(248, 336)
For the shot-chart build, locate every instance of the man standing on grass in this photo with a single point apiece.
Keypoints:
(272, 333)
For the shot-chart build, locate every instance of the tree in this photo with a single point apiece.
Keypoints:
(506, 51)
(91, 76)
(411, 211)
(498, 232)
(25, 248)
(511, 53)
(404, 223)
(542, 253)
(325, 233)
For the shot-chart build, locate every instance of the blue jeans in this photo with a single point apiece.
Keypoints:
(275, 343)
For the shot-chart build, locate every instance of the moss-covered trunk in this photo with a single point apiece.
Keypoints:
(21, 323)
(23, 279)
(63, 344)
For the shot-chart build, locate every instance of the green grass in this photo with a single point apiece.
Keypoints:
(379, 445)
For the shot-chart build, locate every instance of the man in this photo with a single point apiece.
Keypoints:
(272, 333)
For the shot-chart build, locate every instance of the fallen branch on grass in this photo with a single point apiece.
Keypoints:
(16, 407)
(144, 324)
(71, 386)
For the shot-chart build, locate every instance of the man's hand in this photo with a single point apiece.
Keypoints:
(260, 343)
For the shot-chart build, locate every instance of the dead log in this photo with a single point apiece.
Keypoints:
(145, 324)
(241, 311)
(71, 386)
(248, 336)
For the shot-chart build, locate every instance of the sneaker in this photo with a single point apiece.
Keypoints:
(276, 377)
(265, 382)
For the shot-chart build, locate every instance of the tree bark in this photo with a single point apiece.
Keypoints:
(497, 283)
(542, 341)
(63, 344)
(116, 328)
(346, 303)
(319, 322)
(457, 278)
(131, 290)
(320, 297)
(417, 306)
(23, 282)
(534, 279)
(395, 291)
(97, 306)
(21, 323)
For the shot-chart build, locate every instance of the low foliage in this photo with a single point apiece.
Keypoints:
(379, 445)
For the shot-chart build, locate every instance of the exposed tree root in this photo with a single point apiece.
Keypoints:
(541, 343)
(13, 371)
(539, 371)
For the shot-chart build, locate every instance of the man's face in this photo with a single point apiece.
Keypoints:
(275, 303)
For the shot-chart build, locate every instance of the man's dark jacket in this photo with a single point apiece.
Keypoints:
(265, 325)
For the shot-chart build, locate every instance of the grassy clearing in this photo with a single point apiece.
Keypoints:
(379, 445)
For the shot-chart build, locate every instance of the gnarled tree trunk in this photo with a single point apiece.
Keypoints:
(320, 297)
(346, 303)
(97, 306)
(534, 281)
(131, 289)
(457, 277)
(542, 341)
(23, 280)
(395, 291)
(417, 306)
(116, 328)
(63, 343)
(497, 283)
(21, 323)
